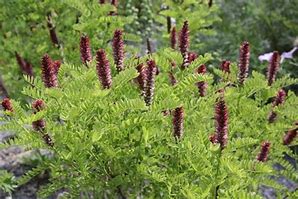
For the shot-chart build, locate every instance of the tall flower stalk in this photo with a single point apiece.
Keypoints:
(118, 50)
(273, 67)
(243, 65)
(150, 82)
(184, 44)
(178, 120)
(85, 50)
(103, 69)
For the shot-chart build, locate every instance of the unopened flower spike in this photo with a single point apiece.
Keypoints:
(263, 155)
(24, 65)
(243, 65)
(52, 30)
(118, 49)
(290, 136)
(85, 50)
(7, 105)
(202, 85)
(221, 121)
(38, 105)
(103, 69)
(184, 44)
(178, 121)
(273, 67)
(150, 82)
(225, 66)
(49, 75)
(173, 38)
(48, 140)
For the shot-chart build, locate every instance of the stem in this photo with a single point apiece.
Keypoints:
(217, 171)
(2, 88)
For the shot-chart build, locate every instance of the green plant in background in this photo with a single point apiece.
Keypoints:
(158, 128)
(53, 27)
(269, 26)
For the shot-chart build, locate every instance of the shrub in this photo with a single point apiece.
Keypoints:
(133, 133)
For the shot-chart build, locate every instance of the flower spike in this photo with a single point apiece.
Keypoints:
(103, 69)
(150, 81)
(263, 155)
(141, 79)
(85, 50)
(243, 65)
(118, 50)
(273, 67)
(221, 122)
(290, 136)
(49, 75)
(184, 44)
(178, 120)
(173, 37)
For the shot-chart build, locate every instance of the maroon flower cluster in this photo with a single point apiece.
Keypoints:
(103, 69)
(225, 66)
(52, 30)
(101, 1)
(7, 105)
(38, 105)
(279, 99)
(173, 38)
(290, 136)
(150, 81)
(85, 50)
(263, 155)
(178, 120)
(192, 56)
(38, 125)
(221, 122)
(184, 44)
(244, 55)
(273, 67)
(118, 49)
(25, 66)
(202, 85)
(49, 71)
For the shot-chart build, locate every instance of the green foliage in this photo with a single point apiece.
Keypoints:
(108, 143)
(268, 25)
